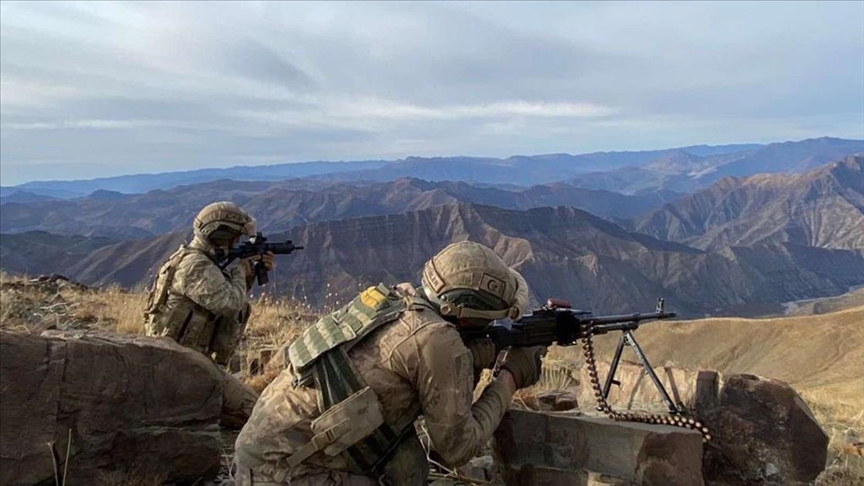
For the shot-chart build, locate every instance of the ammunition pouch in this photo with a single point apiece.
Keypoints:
(351, 424)
(185, 322)
(342, 426)
(339, 388)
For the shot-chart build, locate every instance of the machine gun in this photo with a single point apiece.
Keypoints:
(558, 323)
(256, 246)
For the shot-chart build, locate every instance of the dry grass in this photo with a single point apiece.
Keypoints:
(844, 425)
(28, 306)
(275, 322)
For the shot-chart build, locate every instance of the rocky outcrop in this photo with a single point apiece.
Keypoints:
(547, 400)
(534, 448)
(764, 433)
(125, 403)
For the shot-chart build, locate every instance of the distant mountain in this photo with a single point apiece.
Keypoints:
(562, 252)
(792, 157)
(822, 208)
(279, 206)
(23, 197)
(38, 252)
(139, 183)
(519, 170)
(615, 171)
(685, 171)
(131, 264)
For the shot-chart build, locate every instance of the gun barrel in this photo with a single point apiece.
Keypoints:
(281, 248)
(604, 324)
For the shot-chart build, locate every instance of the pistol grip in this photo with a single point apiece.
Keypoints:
(261, 273)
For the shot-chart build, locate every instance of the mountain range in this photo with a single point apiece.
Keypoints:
(740, 246)
(285, 204)
(821, 208)
(563, 252)
(684, 171)
(600, 170)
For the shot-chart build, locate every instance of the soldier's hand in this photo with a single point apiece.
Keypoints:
(269, 260)
(484, 353)
(524, 364)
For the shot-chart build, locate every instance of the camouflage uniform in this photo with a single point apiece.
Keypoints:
(416, 364)
(198, 305)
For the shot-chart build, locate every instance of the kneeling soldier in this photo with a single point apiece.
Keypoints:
(192, 300)
(343, 411)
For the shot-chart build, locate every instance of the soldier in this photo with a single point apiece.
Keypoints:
(343, 411)
(192, 300)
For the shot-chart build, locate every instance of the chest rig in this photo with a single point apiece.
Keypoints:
(350, 424)
(176, 316)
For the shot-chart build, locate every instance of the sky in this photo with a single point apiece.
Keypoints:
(99, 89)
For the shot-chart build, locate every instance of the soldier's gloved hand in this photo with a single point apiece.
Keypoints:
(269, 260)
(484, 353)
(524, 364)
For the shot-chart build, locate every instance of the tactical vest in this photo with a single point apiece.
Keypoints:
(177, 316)
(351, 423)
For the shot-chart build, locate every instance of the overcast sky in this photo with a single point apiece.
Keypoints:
(98, 89)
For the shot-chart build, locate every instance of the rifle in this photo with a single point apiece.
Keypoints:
(256, 246)
(558, 323)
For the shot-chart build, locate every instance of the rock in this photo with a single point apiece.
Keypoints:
(534, 448)
(706, 398)
(479, 468)
(764, 433)
(598, 479)
(549, 400)
(854, 449)
(132, 403)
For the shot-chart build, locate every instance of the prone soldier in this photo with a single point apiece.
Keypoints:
(343, 411)
(192, 300)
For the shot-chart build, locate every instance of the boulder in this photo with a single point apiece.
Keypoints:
(534, 448)
(548, 400)
(763, 433)
(130, 404)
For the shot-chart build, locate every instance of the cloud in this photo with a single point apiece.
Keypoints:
(108, 88)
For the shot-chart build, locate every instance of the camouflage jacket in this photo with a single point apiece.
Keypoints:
(196, 300)
(201, 281)
(416, 365)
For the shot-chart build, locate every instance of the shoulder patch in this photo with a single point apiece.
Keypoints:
(372, 297)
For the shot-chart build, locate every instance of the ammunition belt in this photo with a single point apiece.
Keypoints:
(603, 404)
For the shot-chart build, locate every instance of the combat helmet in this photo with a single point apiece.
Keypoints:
(223, 220)
(468, 280)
